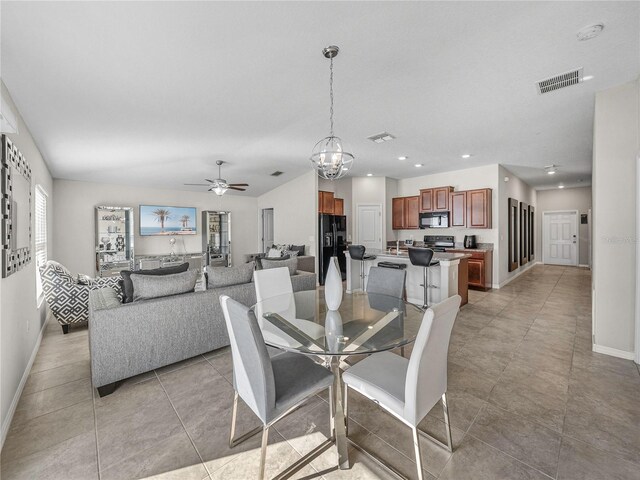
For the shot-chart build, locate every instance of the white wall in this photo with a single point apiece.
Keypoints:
(468, 179)
(565, 199)
(295, 211)
(518, 190)
(341, 188)
(74, 229)
(616, 145)
(21, 320)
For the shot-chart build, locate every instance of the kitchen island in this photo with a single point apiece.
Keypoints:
(445, 279)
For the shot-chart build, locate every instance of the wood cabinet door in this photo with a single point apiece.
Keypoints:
(412, 212)
(458, 202)
(479, 208)
(397, 213)
(338, 206)
(441, 199)
(325, 202)
(426, 200)
(476, 272)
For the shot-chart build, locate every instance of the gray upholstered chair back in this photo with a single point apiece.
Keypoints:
(420, 256)
(386, 281)
(356, 252)
(426, 379)
(252, 371)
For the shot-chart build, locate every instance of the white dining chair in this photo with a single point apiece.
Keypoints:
(409, 388)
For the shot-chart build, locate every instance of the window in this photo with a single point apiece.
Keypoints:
(41, 237)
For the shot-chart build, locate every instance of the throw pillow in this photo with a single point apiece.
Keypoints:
(274, 253)
(290, 263)
(146, 287)
(84, 279)
(291, 253)
(227, 276)
(299, 248)
(127, 285)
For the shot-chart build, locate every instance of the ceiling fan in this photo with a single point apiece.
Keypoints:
(219, 186)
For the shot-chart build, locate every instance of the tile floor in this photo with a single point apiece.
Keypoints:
(529, 400)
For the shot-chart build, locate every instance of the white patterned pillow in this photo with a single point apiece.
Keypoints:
(274, 253)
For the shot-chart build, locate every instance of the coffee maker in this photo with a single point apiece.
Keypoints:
(470, 241)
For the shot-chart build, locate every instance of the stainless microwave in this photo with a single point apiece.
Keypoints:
(434, 220)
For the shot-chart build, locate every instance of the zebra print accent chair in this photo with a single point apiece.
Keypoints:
(68, 297)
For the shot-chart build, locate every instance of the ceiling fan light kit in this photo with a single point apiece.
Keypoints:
(219, 186)
(328, 157)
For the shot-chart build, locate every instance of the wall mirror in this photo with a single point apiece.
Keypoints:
(532, 219)
(513, 234)
(216, 238)
(524, 233)
(16, 209)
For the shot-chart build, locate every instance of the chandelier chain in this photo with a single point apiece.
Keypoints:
(331, 95)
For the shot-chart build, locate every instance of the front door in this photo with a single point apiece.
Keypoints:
(267, 229)
(370, 226)
(560, 238)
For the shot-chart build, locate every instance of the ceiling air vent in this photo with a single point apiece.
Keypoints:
(381, 137)
(277, 173)
(560, 81)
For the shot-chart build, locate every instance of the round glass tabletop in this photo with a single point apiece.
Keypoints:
(364, 323)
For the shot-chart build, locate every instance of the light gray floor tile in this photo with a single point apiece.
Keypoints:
(580, 461)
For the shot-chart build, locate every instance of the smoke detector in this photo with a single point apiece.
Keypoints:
(559, 81)
(590, 31)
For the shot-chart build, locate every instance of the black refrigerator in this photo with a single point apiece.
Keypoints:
(332, 238)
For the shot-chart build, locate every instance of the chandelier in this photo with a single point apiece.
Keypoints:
(328, 157)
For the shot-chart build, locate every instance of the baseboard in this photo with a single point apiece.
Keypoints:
(16, 398)
(614, 352)
(583, 265)
(520, 272)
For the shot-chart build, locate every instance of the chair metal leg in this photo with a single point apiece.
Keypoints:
(445, 408)
(263, 451)
(345, 400)
(416, 447)
(362, 274)
(332, 425)
(234, 415)
(426, 288)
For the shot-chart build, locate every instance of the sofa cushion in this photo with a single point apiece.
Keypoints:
(291, 264)
(299, 248)
(226, 276)
(146, 287)
(127, 285)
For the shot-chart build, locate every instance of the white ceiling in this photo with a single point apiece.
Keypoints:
(153, 93)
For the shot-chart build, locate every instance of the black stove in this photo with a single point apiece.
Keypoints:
(439, 243)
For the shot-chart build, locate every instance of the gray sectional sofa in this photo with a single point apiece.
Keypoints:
(133, 338)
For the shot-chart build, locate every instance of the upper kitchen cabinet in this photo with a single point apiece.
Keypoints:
(458, 217)
(479, 208)
(435, 199)
(338, 206)
(326, 202)
(405, 213)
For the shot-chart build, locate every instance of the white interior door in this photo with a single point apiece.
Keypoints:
(267, 229)
(370, 226)
(560, 238)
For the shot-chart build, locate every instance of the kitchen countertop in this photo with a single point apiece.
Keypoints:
(441, 256)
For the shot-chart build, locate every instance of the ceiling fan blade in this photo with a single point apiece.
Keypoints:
(238, 189)
(238, 184)
(210, 181)
(198, 184)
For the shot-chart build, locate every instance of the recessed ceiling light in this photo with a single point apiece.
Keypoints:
(551, 169)
(369, 174)
(560, 186)
(466, 155)
(418, 165)
(402, 158)
(551, 172)
(590, 31)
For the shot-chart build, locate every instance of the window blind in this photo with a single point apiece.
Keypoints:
(41, 227)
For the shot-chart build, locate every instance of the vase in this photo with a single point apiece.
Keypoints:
(333, 285)
(333, 331)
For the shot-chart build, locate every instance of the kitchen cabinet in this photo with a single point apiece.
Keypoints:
(325, 202)
(435, 199)
(338, 206)
(458, 215)
(405, 213)
(480, 268)
(479, 208)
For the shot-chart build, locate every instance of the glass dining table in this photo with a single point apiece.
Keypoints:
(364, 324)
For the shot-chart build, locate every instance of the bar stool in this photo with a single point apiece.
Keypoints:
(422, 257)
(357, 252)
